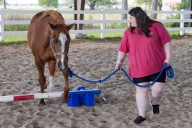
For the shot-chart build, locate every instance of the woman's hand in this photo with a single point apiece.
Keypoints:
(118, 65)
(168, 61)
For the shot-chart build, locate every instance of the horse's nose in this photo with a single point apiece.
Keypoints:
(59, 65)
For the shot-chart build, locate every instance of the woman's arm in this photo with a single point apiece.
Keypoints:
(168, 52)
(120, 58)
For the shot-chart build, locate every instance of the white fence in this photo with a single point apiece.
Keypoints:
(102, 21)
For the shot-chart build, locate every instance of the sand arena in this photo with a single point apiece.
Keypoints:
(92, 60)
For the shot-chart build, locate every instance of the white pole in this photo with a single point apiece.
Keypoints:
(30, 96)
(44, 95)
(2, 25)
(182, 23)
(103, 23)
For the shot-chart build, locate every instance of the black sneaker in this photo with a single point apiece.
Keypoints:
(139, 119)
(155, 108)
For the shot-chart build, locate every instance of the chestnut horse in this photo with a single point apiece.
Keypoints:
(48, 38)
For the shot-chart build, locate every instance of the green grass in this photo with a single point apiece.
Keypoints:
(23, 38)
(107, 35)
(173, 34)
(14, 39)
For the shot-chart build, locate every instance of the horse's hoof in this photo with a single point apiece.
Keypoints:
(63, 100)
(45, 86)
(41, 103)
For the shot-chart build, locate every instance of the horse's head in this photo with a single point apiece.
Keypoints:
(59, 44)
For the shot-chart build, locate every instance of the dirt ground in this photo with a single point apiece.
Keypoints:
(92, 60)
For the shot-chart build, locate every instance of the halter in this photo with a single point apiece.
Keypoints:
(59, 53)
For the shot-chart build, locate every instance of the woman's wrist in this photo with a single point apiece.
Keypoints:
(118, 62)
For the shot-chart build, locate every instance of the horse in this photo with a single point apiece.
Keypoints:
(48, 38)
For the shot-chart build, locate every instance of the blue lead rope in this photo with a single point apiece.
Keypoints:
(71, 74)
(169, 72)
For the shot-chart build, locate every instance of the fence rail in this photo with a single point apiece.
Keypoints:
(102, 21)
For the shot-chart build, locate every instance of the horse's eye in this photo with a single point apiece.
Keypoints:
(54, 41)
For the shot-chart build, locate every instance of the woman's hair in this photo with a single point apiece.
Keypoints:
(143, 21)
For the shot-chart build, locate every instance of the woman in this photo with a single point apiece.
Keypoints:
(148, 45)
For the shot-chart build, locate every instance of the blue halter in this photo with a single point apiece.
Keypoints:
(58, 53)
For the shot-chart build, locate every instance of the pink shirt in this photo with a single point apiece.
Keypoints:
(145, 55)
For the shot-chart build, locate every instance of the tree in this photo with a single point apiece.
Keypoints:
(154, 7)
(93, 3)
(124, 7)
(4, 2)
(48, 3)
(183, 5)
(145, 2)
(160, 4)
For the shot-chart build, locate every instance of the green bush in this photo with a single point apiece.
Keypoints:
(174, 24)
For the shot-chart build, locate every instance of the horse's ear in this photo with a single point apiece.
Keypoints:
(70, 26)
(52, 26)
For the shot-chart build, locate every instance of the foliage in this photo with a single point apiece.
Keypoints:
(2, 1)
(93, 3)
(175, 35)
(183, 5)
(174, 24)
(145, 2)
(103, 2)
(160, 4)
(149, 3)
(48, 3)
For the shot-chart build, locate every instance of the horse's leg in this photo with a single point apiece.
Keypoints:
(40, 67)
(51, 65)
(65, 96)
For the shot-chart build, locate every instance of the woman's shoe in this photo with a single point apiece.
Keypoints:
(139, 119)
